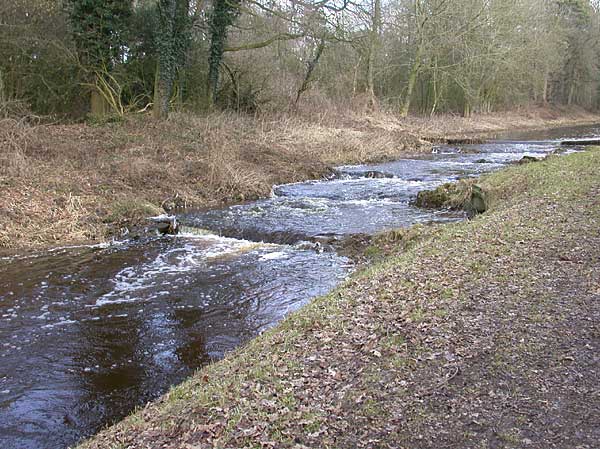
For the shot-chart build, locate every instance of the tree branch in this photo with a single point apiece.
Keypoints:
(266, 43)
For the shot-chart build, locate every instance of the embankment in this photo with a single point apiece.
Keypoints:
(74, 183)
(484, 334)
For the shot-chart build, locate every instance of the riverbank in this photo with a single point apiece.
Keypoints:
(480, 334)
(65, 184)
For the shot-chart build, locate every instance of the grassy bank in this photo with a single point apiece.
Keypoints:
(74, 183)
(481, 334)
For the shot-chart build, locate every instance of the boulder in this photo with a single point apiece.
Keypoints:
(461, 195)
(449, 195)
(377, 175)
(527, 160)
(478, 202)
(434, 199)
(165, 224)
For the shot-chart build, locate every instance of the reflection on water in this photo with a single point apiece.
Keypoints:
(88, 333)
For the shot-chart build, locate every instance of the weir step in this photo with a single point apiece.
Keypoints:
(584, 142)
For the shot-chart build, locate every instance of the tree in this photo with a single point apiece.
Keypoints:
(223, 15)
(425, 15)
(580, 68)
(38, 64)
(173, 40)
(421, 56)
(374, 45)
(99, 29)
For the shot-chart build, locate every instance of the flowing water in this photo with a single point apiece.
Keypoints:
(88, 333)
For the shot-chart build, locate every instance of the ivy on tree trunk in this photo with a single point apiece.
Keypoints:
(222, 17)
(99, 29)
(173, 40)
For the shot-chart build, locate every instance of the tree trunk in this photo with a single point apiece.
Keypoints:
(467, 110)
(173, 44)
(163, 82)
(3, 96)
(373, 47)
(163, 90)
(218, 30)
(212, 86)
(355, 77)
(435, 90)
(235, 85)
(370, 80)
(545, 89)
(99, 107)
(223, 15)
(412, 79)
(571, 94)
(309, 71)
(162, 96)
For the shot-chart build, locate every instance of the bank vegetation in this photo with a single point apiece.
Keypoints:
(64, 184)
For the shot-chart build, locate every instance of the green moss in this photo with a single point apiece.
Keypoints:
(372, 251)
(449, 196)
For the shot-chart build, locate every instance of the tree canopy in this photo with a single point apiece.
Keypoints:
(406, 56)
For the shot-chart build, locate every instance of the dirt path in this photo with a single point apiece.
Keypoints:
(484, 335)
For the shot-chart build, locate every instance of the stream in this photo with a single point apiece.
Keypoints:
(88, 333)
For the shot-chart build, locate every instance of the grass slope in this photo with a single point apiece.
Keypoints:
(483, 335)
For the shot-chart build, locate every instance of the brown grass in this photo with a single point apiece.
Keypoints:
(15, 138)
(69, 183)
(486, 125)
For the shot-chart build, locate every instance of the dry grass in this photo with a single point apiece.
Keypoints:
(67, 183)
(15, 138)
(486, 125)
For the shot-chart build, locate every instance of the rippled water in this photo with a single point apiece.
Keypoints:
(361, 199)
(87, 333)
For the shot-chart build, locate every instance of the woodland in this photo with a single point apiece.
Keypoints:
(103, 59)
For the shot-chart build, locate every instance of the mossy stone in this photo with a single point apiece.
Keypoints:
(479, 201)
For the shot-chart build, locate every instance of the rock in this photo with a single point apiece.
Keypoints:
(580, 142)
(313, 246)
(481, 161)
(465, 140)
(194, 230)
(559, 151)
(478, 203)
(527, 160)
(173, 203)
(435, 199)
(462, 195)
(455, 141)
(165, 224)
(377, 175)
